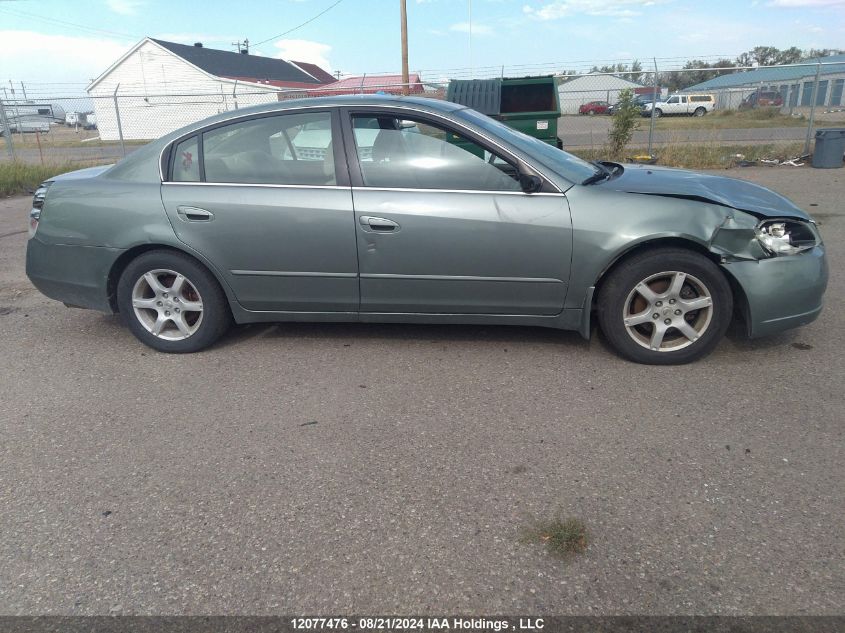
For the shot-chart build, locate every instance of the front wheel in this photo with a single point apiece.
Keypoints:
(658, 113)
(172, 303)
(665, 307)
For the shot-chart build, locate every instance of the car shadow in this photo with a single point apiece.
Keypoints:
(403, 332)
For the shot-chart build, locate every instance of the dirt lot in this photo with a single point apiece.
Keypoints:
(388, 468)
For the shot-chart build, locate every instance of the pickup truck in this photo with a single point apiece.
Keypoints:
(689, 104)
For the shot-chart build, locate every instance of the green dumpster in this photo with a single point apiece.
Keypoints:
(528, 104)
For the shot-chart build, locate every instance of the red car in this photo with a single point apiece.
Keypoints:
(594, 107)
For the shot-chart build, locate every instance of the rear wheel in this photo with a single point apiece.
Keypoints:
(172, 303)
(665, 307)
(699, 112)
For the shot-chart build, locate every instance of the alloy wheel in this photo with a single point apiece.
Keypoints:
(668, 311)
(167, 304)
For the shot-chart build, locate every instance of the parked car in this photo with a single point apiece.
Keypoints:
(222, 221)
(689, 104)
(85, 120)
(640, 101)
(594, 107)
(762, 99)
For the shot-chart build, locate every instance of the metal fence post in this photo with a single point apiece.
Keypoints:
(653, 108)
(7, 131)
(812, 108)
(235, 94)
(117, 116)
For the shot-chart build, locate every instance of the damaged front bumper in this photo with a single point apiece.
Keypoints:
(781, 292)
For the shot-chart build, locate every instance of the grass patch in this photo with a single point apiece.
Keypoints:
(562, 537)
(703, 155)
(736, 119)
(17, 177)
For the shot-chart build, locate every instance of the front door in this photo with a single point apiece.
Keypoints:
(443, 226)
(266, 202)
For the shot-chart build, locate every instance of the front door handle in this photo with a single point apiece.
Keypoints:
(382, 225)
(194, 214)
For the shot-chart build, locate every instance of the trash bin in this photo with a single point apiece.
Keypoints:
(830, 147)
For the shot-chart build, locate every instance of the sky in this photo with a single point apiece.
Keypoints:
(64, 42)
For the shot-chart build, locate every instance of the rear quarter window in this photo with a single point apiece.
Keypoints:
(186, 161)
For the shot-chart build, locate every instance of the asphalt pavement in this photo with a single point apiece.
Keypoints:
(331, 468)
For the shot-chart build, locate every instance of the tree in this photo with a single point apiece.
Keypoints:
(695, 72)
(772, 56)
(626, 120)
(791, 55)
(766, 55)
(637, 75)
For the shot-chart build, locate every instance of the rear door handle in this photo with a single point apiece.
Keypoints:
(382, 225)
(194, 214)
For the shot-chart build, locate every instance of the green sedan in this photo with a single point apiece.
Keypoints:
(398, 209)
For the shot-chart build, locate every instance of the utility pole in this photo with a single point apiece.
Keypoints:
(471, 73)
(240, 47)
(403, 10)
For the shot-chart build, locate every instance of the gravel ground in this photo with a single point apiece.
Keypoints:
(389, 468)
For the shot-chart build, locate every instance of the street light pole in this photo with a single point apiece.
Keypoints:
(403, 10)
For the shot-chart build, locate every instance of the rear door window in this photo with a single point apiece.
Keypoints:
(283, 149)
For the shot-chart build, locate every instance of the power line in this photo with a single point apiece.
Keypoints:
(308, 21)
(24, 14)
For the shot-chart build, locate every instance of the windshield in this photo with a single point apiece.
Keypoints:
(563, 163)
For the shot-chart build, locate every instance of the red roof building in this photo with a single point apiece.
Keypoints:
(368, 85)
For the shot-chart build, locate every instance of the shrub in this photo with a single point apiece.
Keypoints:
(626, 120)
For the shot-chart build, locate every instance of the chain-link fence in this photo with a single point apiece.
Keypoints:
(729, 110)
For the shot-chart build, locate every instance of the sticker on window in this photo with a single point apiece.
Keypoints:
(542, 125)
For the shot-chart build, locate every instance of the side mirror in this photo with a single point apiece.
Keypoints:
(530, 183)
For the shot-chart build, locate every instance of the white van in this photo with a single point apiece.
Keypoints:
(689, 104)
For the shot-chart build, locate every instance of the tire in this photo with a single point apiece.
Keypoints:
(591, 112)
(701, 309)
(658, 113)
(699, 112)
(189, 315)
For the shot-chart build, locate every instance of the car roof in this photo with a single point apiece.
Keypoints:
(346, 100)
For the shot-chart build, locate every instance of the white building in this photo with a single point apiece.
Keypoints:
(162, 86)
(592, 87)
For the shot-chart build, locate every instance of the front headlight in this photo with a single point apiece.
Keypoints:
(786, 237)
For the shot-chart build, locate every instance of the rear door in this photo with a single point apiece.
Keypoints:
(443, 226)
(267, 200)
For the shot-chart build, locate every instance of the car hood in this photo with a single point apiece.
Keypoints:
(728, 192)
(88, 172)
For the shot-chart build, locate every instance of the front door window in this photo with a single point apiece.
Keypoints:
(396, 152)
